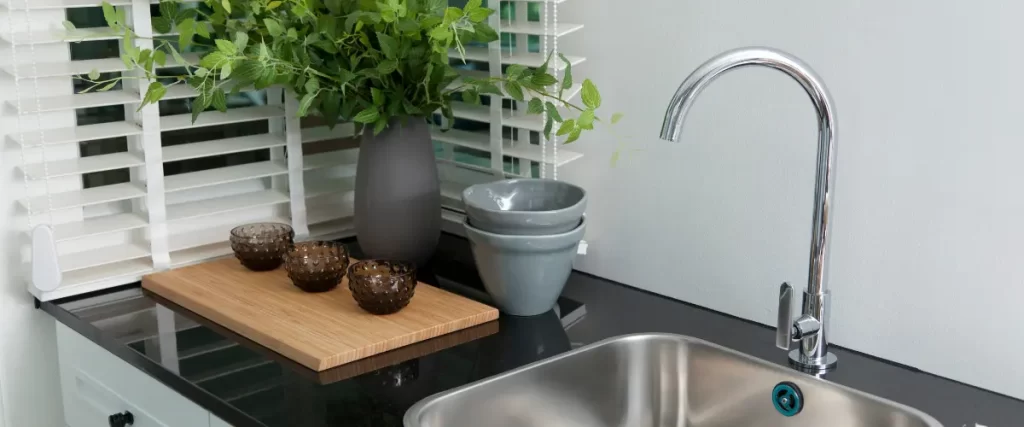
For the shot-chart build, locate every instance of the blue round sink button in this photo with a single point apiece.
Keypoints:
(787, 398)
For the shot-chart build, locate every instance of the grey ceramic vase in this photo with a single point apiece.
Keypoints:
(398, 198)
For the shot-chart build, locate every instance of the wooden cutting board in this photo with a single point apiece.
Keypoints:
(320, 330)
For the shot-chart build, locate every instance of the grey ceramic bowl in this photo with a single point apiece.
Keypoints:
(524, 274)
(525, 206)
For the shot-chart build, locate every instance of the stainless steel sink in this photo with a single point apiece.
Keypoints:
(655, 380)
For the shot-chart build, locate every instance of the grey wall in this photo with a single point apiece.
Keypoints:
(926, 264)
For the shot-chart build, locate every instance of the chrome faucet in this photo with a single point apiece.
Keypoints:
(811, 328)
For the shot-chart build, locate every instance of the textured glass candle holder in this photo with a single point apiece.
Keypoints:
(259, 246)
(382, 287)
(316, 266)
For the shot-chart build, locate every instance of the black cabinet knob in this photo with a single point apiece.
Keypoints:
(123, 419)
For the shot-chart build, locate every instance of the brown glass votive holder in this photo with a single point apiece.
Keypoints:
(382, 287)
(259, 246)
(316, 266)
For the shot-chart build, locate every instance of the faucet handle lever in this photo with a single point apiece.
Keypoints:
(784, 328)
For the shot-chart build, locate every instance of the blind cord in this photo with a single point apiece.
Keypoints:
(544, 116)
(39, 113)
(554, 144)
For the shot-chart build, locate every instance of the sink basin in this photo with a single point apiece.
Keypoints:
(655, 380)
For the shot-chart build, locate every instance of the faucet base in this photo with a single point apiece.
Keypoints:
(804, 364)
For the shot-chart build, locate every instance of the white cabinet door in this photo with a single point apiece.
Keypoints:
(91, 405)
(96, 384)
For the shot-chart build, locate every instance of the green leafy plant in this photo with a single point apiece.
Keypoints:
(364, 61)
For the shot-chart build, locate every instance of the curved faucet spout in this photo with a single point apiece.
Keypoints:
(814, 348)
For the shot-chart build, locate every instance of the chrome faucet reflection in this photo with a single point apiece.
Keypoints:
(811, 328)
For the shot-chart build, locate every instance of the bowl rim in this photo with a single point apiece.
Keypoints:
(576, 229)
(287, 228)
(411, 272)
(292, 248)
(581, 202)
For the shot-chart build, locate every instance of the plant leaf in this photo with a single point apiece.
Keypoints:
(94, 74)
(378, 96)
(180, 60)
(566, 127)
(591, 97)
(219, 100)
(109, 14)
(213, 60)
(201, 103)
(160, 57)
(241, 41)
(330, 107)
(553, 111)
(186, 29)
(226, 4)
(108, 86)
(543, 79)
(368, 115)
(536, 106)
(567, 77)
(388, 45)
(574, 135)
(586, 120)
(547, 127)
(387, 66)
(488, 87)
(154, 92)
(451, 15)
(410, 108)
(616, 117)
(514, 71)
(248, 70)
(273, 27)
(312, 85)
(479, 15)
(514, 90)
(225, 71)
(203, 30)
(264, 52)
(544, 67)
(68, 25)
(161, 25)
(380, 125)
(305, 103)
(226, 46)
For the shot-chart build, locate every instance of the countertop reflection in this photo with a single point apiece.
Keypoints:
(248, 385)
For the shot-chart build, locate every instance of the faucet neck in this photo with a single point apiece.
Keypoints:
(684, 98)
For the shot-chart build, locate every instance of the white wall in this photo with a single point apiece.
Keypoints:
(926, 266)
(29, 380)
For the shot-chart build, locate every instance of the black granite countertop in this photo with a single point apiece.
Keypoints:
(248, 385)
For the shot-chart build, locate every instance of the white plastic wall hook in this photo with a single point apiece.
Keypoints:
(46, 275)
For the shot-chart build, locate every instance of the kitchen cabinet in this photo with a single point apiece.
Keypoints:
(96, 384)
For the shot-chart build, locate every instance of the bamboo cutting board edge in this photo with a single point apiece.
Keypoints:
(217, 316)
(278, 327)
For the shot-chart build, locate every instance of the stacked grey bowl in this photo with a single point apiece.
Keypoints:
(524, 234)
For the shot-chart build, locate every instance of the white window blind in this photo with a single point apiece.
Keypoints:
(127, 192)
(169, 190)
(500, 140)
